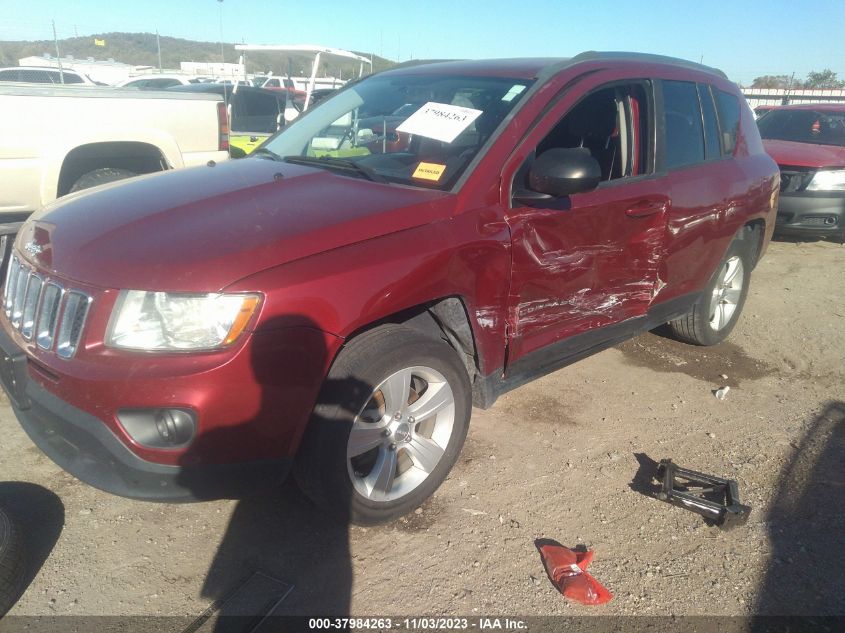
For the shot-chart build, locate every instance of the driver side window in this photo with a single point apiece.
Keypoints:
(611, 124)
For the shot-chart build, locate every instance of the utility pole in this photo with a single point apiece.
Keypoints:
(222, 55)
(58, 55)
(158, 46)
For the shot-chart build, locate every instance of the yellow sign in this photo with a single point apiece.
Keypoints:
(99, 42)
(428, 171)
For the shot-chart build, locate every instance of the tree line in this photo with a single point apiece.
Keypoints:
(141, 49)
(815, 79)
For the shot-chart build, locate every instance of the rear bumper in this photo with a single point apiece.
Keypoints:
(811, 214)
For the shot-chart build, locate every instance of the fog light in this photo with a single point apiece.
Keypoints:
(159, 428)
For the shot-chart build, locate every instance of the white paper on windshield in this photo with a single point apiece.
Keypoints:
(440, 121)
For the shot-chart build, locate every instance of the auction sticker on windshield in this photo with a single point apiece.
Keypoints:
(440, 121)
(429, 171)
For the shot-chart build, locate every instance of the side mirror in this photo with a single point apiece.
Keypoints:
(563, 171)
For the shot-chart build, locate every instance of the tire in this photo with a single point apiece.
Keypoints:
(101, 177)
(364, 457)
(12, 565)
(714, 315)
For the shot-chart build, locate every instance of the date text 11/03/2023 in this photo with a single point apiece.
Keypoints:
(418, 624)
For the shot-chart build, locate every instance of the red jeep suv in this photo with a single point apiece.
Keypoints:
(337, 303)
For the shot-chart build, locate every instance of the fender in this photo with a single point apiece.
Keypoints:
(55, 153)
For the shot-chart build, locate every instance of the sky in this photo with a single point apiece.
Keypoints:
(744, 38)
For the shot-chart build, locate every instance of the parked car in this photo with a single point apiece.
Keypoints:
(336, 305)
(157, 81)
(808, 144)
(254, 113)
(61, 139)
(48, 75)
(761, 110)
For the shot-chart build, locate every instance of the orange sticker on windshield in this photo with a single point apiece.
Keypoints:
(428, 171)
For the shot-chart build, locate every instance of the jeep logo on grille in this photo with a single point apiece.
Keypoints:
(33, 249)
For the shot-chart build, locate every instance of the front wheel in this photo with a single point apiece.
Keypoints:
(716, 312)
(12, 565)
(388, 427)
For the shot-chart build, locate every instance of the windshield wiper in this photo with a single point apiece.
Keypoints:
(263, 152)
(330, 162)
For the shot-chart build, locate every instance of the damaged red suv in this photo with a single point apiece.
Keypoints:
(336, 304)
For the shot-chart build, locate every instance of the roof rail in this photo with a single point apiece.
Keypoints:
(643, 57)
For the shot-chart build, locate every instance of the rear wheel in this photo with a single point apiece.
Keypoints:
(716, 312)
(389, 425)
(11, 563)
(100, 177)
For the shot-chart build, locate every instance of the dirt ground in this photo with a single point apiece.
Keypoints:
(556, 459)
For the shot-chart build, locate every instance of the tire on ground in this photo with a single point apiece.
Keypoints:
(321, 466)
(12, 565)
(694, 327)
(100, 176)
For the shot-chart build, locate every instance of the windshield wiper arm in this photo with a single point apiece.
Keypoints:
(263, 152)
(331, 162)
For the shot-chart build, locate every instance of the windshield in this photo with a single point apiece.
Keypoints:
(414, 129)
(804, 126)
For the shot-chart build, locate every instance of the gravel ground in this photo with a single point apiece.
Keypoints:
(558, 459)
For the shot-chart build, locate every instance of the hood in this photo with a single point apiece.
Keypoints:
(805, 154)
(201, 229)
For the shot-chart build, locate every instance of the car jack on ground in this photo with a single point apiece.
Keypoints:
(714, 498)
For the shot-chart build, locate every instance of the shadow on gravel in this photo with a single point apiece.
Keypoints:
(40, 515)
(281, 555)
(806, 524)
(643, 481)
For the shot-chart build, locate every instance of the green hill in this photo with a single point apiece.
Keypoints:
(140, 49)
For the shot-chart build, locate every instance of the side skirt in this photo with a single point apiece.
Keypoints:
(487, 389)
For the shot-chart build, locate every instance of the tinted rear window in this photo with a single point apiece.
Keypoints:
(728, 107)
(684, 133)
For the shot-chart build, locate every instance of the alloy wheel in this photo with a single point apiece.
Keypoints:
(401, 434)
(726, 293)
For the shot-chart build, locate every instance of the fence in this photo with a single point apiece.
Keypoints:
(780, 96)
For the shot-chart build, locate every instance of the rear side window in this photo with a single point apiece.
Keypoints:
(9, 75)
(35, 76)
(254, 112)
(684, 132)
(728, 107)
(712, 147)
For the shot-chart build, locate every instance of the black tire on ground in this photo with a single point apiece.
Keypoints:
(100, 177)
(694, 327)
(12, 565)
(364, 363)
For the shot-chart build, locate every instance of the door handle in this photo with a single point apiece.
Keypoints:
(645, 208)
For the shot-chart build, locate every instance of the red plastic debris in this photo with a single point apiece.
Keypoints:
(567, 570)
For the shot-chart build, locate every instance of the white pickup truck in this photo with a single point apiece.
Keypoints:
(58, 139)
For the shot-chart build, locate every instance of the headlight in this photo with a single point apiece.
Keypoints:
(828, 180)
(166, 321)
